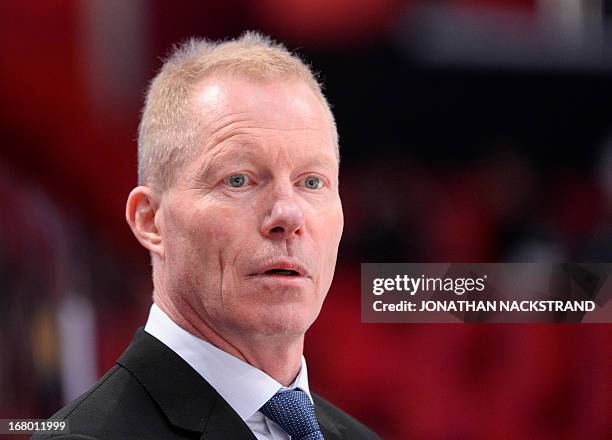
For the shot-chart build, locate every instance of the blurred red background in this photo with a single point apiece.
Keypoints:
(470, 131)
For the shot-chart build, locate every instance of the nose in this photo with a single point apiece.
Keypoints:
(285, 220)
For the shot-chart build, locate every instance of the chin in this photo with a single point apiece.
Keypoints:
(285, 320)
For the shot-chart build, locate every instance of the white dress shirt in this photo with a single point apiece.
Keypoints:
(243, 386)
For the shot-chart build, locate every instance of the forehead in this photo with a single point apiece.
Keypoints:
(223, 103)
(228, 91)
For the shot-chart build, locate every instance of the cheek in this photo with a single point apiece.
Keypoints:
(195, 241)
(329, 229)
(218, 234)
(332, 226)
(211, 232)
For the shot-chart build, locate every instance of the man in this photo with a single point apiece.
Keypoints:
(238, 206)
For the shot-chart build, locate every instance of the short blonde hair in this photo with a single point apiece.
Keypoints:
(168, 131)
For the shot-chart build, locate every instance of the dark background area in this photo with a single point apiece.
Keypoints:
(470, 131)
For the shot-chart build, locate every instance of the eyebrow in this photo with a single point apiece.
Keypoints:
(323, 161)
(239, 149)
(248, 150)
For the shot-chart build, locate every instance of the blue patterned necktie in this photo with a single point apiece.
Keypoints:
(294, 412)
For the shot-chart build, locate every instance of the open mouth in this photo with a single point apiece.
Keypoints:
(290, 273)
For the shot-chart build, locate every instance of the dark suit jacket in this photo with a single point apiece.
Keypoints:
(151, 393)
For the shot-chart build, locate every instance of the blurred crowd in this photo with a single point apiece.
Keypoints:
(440, 163)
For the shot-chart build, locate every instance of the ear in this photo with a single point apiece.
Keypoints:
(140, 212)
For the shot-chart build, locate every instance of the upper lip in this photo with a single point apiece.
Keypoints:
(283, 265)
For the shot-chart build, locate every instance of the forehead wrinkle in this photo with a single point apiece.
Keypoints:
(222, 147)
(229, 128)
(225, 134)
(222, 123)
(234, 127)
(262, 127)
(217, 124)
(220, 117)
(225, 127)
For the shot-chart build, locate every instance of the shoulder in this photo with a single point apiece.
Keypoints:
(117, 406)
(333, 418)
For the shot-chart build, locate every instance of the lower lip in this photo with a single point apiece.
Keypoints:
(293, 280)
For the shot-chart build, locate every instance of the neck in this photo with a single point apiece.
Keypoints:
(279, 356)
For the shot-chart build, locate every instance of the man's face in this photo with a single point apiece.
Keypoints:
(252, 225)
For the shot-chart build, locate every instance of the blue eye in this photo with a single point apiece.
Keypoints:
(237, 180)
(313, 182)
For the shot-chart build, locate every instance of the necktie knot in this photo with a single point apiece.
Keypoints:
(294, 412)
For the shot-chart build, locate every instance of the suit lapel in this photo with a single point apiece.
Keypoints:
(224, 423)
(329, 434)
(331, 429)
(187, 400)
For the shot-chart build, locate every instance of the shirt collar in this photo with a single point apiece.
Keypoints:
(243, 386)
